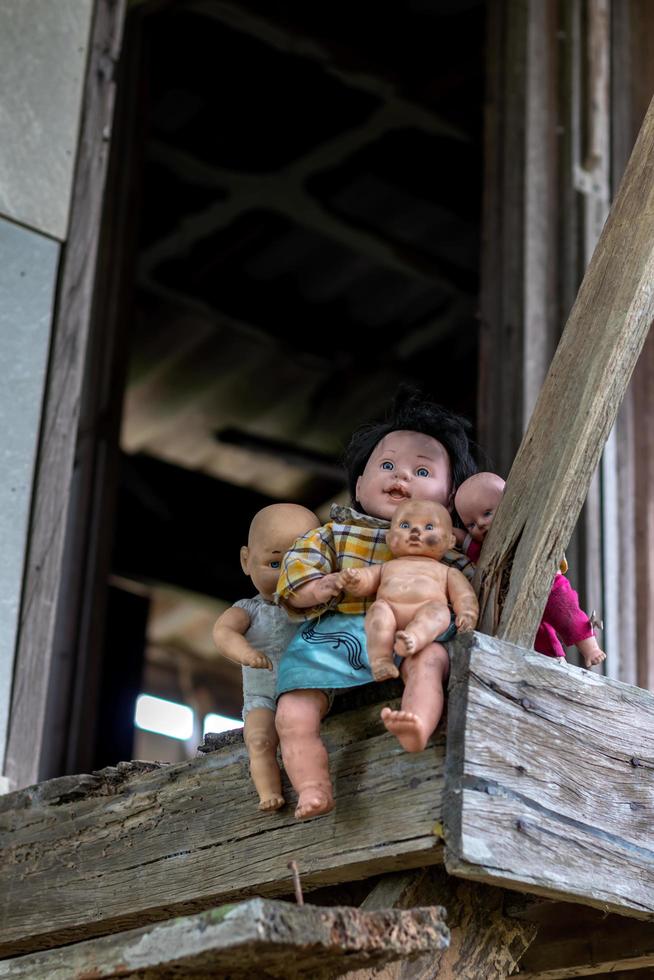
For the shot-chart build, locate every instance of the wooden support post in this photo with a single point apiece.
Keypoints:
(520, 324)
(35, 657)
(575, 411)
(256, 939)
(484, 943)
(185, 837)
(549, 778)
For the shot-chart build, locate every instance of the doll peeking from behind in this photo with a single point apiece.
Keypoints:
(255, 633)
(476, 502)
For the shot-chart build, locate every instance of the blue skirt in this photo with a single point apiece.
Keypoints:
(326, 653)
(330, 653)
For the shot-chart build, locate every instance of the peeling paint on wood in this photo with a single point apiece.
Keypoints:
(257, 939)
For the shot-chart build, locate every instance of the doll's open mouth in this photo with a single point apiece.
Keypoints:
(397, 493)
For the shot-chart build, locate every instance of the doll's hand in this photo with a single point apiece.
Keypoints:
(465, 622)
(351, 581)
(326, 587)
(254, 658)
(591, 652)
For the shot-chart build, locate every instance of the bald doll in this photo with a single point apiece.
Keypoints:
(255, 632)
(476, 502)
(414, 593)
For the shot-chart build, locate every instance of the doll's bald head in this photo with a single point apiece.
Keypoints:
(476, 501)
(272, 532)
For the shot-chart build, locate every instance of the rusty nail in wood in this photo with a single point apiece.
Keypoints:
(299, 897)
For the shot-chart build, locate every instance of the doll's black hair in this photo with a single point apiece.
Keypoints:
(412, 411)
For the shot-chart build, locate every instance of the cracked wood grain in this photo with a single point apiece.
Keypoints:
(120, 849)
(549, 779)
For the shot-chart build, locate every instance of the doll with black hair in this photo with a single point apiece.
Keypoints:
(420, 452)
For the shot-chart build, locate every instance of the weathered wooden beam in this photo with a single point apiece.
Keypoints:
(36, 658)
(568, 950)
(519, 321)
(123, 849)
(258, 938)
(285, 192)
(484, 943)
(339, 62)
(549, 778)
(575, 410)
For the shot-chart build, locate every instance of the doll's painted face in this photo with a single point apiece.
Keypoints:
(422, 528)
(404, 466)
(476, 501)
(272, 532)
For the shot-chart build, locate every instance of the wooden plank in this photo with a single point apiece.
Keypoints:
(34, 659)
(550, 778)
(120, 850)
(484, 943)
(575, 411)
(566, 950)
(258, 938)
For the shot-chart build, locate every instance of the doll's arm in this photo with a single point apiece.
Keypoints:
(308, 580)
(460, 536)
(361, 581)
(462, 599)
(565, 615)
(228, 635)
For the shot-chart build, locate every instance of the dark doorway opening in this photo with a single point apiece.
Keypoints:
(306, 186)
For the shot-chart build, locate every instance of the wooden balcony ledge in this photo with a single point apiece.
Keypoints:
(545, 784)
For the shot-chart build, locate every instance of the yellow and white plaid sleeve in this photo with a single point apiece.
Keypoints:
(311, 556)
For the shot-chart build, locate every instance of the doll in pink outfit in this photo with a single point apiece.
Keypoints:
(476, 501)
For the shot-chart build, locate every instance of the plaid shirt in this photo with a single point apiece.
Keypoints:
(349, 540)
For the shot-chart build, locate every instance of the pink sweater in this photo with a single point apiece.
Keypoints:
(562, 616)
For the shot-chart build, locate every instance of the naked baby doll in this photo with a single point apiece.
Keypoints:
(421, 452)
(476, 501)
(255, 632)
(414, 593)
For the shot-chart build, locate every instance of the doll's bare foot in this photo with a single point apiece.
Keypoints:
(313, 801)
(591, 652)
(408, 729)
(271, 803)
(405, 643)
(384, 671)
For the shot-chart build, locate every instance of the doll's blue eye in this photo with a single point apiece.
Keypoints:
(387, 465)
(275, 564)
(429, 527)
(404, 523)
(422, 471)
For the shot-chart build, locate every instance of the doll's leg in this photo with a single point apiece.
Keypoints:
(432, 619)
(380, 625)
(424, 677)
(261, 741)
(299, 714)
